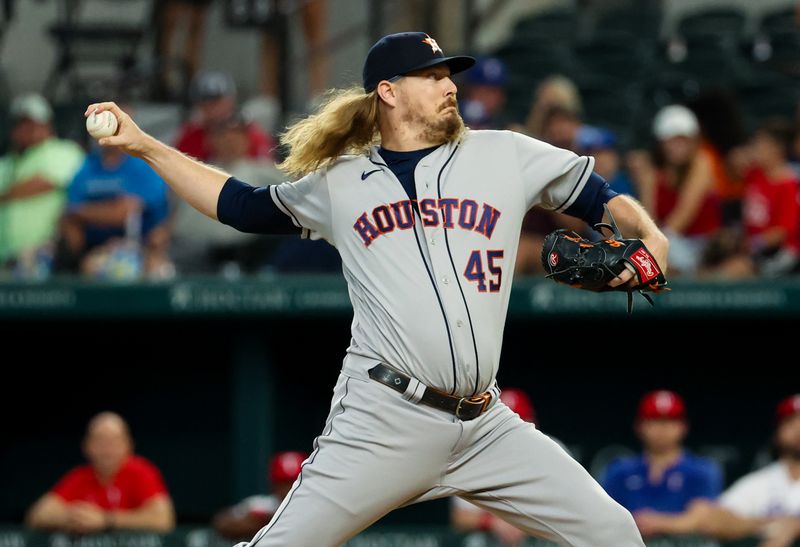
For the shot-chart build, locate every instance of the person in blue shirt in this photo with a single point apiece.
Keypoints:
(665, 478)
(601, 143)
(114, 201)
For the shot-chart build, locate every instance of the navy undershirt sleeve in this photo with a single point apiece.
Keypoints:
(588, 206)
(251, 209)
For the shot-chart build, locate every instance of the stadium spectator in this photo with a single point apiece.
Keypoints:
(680, 193)
(763, 503)
(115, 204)
(247, 517)
(467, 517)
(202, 245)
(723, 142)
(665, 478)
(560, 128)
(771, 216)
(116, 490)
(485, 95)
(32, 178)
(266, 108)
(214, 97)
(601, 144)
(173, 16)
(555, 91)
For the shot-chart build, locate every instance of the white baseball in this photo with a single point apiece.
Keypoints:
(101, 125)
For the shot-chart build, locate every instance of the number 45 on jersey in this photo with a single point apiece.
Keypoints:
(489, 277)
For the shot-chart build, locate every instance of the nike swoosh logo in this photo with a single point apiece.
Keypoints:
(364, 174)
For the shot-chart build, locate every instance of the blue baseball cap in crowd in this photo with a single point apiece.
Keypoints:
(404, 52)
(488, 71)
(590, 138)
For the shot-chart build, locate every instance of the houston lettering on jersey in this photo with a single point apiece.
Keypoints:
(447, 212)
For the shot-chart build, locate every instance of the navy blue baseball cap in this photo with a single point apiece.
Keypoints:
(404, 52)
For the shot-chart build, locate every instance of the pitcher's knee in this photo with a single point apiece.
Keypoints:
(614, 527)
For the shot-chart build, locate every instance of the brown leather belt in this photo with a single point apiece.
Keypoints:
(464, 408)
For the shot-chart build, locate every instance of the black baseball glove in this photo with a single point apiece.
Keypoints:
(578, 262)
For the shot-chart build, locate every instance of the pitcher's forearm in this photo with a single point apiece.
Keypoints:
(632, 218)
(197, 183)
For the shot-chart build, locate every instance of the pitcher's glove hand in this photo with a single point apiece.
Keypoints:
(573, 260)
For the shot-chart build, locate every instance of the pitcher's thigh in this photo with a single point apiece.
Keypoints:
(527, 479)
(375, 453)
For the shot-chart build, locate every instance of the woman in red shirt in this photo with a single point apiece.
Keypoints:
(680, 194)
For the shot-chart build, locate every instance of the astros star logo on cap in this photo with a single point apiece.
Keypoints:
(434, 46)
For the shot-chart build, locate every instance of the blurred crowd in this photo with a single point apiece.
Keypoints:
(105, 215)
(728, 213)
(726, 199)
(668, 489)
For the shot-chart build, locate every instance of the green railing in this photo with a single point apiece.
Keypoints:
(327, 295)
(12, 536)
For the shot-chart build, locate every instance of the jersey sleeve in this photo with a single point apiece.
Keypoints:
(69, 487)
(307, 203)
(744, 498)
(551, 177)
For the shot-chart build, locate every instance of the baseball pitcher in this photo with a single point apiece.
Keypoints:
(426, 216)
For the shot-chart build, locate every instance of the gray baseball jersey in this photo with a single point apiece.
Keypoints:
(429, 281)
(430, 289)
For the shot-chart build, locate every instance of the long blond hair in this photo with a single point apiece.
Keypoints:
(346, 123)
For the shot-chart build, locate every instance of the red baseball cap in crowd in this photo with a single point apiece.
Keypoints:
(788, 407)
(285, 466)
(661, 404)
(519, 402)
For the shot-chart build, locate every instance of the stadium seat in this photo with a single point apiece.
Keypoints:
(614, 54)
(86, 42)
(536, 58)
(706, 58)
(640, 23)
(728, 22)
(773, 22)
(558, 25)
(768, 98)
(610, 104)
(784, 56)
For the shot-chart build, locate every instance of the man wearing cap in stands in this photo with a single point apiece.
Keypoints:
(213, 97)
(665, 478)
(251, 514)
(33, 176)
(483, 106)
(763, 503)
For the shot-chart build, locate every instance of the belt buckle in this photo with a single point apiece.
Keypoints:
(483, 398)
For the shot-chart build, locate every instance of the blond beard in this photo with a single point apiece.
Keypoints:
(438, 130)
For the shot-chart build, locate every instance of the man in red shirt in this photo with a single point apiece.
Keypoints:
(116, 490)
(770, 201)
(770, 207)
(214, 97)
